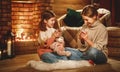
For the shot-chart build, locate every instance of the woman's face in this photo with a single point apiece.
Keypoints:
(50, 22)
(88, 20)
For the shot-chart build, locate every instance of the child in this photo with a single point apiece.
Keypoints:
(47, 36)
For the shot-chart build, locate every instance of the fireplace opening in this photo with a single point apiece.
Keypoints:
(25, 21)
(22, 35)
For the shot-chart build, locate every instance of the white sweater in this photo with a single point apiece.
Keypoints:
(98, 34)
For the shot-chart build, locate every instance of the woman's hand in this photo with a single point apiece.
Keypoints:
(83, 35)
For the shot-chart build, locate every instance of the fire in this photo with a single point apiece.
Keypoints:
(24, 36)
(25, 20)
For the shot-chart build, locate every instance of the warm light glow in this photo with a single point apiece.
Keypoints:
(21, 33)
(25, 19)
(22, 36)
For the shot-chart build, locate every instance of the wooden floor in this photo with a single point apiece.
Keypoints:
(18, 64)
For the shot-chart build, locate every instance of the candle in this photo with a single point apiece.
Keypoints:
(0, 54)
(9, 47)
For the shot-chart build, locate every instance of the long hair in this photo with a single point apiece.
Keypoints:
(90, 11)
(46, 15)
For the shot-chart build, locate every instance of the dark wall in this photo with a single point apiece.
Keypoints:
(113, 6)
(117, 9)
(5, 17)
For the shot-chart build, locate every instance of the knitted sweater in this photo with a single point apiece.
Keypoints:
(43, 36)
(98, 34)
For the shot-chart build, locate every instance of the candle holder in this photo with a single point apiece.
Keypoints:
(7, 46)
(10, 46)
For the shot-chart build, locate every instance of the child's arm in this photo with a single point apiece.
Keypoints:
(50, 41)
(53, 37)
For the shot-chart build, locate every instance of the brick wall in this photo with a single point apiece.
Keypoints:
(25, 19)
(5, 17)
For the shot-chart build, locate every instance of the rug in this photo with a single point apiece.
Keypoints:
(62, 64)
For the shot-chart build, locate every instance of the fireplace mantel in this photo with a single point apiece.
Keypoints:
(25, 1)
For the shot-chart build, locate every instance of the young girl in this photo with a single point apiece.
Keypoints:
(94, 35)
(47, 36)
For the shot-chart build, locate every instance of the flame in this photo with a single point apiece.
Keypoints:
(22, 36)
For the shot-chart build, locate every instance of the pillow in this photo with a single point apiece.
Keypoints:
(73, 18)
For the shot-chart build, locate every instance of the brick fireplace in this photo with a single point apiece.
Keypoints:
(25, 21)
(22, 19)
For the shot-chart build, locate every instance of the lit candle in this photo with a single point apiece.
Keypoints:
(0, 54)
(9, 47)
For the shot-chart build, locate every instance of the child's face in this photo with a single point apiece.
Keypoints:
(50, 22)
(88, 20)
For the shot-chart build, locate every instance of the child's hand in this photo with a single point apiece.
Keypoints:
(57, 33)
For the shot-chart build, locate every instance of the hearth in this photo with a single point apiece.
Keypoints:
(25, 20)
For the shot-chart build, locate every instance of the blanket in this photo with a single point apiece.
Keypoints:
(62, 64)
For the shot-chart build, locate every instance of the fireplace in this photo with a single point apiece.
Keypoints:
(25, 21)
